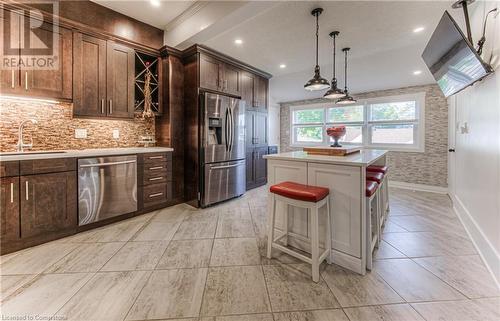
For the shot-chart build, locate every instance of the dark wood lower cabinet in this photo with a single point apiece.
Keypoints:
(48, 203)
(9, 209)
(256, 166)
(260, 165)
(38, 198)
(154, 181)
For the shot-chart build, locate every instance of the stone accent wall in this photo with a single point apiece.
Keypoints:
(56, 126)
(430, 167)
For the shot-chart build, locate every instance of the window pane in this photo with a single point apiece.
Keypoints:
(392, 134)
(308, 116)
(345, 114)
(394, 111)
(308, 134)
(354, 134)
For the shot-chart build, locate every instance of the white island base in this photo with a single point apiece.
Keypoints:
(345, 176)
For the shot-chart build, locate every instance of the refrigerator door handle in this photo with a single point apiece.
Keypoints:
(231, 131)
(226, 130)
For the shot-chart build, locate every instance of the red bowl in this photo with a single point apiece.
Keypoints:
(337, 131)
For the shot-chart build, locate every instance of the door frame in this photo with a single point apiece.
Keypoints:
(452, 132)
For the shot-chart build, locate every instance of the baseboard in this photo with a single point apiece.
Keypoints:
(483, 246)
(419, 187)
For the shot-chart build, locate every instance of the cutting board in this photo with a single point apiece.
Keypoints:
(331, 151)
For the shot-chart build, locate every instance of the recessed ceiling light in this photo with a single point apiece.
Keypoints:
(238, 41)
(417, 72)
(419, 29)
(155, 3)
(282, 66)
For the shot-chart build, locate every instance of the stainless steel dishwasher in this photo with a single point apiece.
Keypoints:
(107, 187)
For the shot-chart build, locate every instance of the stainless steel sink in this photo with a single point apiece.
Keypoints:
(31, 153)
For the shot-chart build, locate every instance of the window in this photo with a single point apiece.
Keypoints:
(395, 123)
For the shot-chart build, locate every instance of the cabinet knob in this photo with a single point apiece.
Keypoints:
(27, 190)
(13, 83)
(26, 80)
(12, 192)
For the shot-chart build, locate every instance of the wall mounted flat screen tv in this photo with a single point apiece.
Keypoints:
(451, 58)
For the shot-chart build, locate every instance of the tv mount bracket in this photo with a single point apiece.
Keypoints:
(463, 4)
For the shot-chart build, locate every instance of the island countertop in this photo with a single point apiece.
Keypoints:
(362, 158)
(97, 152)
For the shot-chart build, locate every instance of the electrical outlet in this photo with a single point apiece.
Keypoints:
(116, 134)
(80, 133)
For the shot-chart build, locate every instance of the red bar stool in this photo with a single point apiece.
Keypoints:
(311, 198)
(384, 189)
(372, 220)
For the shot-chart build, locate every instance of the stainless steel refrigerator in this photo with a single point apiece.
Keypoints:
(222, 156)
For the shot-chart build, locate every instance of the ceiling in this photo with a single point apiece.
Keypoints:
(385, 50)
(145, 12)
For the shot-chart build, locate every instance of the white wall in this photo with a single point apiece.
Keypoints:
(274, 118)
(475, 166)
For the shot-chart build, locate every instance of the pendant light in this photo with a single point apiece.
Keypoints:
(317, 82)
(346, 100)
(334, 92)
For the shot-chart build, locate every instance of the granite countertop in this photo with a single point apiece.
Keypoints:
(363, 158)
(16, 156)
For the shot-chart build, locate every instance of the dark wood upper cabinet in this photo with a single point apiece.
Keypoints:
(231, 80)
(247, 89)
(210, 73)
(254, 91)
(52, 78)
(219, 76)
(9, 209)
(9, 79)
(56, 82)
(260, 92)
(89, 75)
(103, 78)
(120, 80)
(48, 203)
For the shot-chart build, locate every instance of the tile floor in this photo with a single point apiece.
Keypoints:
(208, 265)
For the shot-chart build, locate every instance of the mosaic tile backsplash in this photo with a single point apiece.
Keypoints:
(55, 128)
(428, 168)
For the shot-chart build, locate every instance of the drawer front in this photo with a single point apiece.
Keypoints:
(51, 165)
(156, 158)
(152, 177)
(9, 169)
(160, 167)
(154, 194)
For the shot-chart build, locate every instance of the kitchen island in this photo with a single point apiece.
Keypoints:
(345, 176)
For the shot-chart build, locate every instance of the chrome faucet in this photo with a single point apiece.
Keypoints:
(20, 144)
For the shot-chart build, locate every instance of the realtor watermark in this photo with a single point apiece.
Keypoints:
(30, 41)
(33, 317)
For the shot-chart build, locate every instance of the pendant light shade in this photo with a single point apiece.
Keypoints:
(346, 99)
(334, 92)
(317, 82)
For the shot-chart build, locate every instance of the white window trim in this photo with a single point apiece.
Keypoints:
(417, 147)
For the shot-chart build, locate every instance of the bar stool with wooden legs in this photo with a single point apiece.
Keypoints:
(308, 197)
(384, 189)
(372, 221)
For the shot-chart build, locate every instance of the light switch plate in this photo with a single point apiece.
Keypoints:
(116, 134)
(80, 133)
